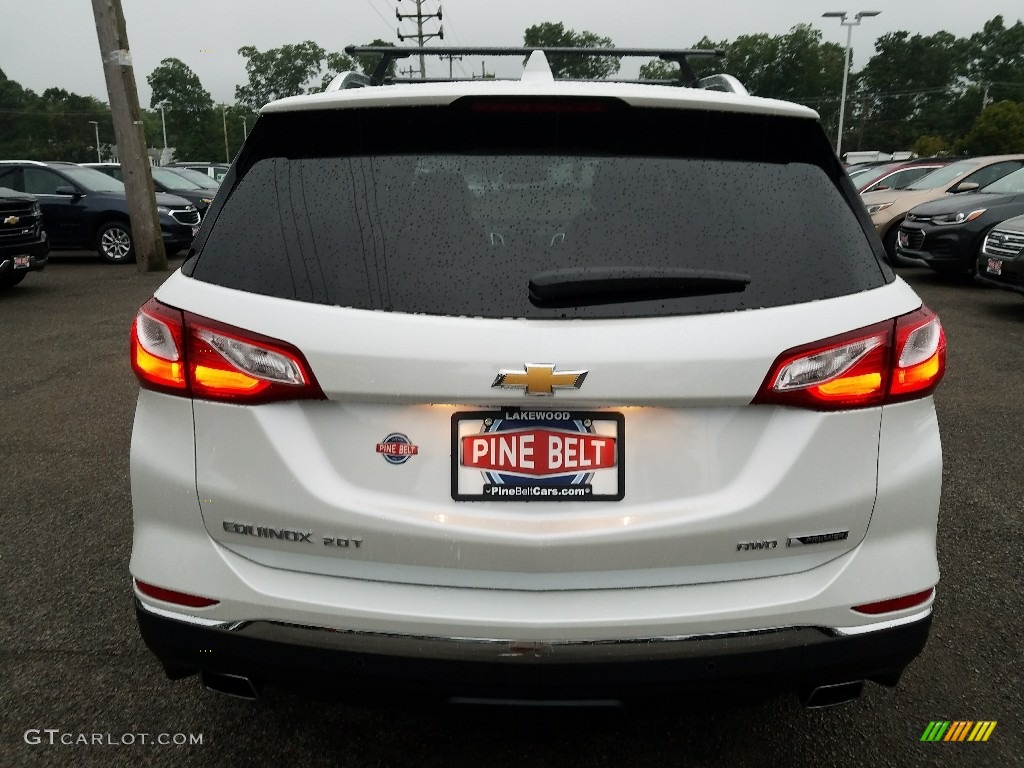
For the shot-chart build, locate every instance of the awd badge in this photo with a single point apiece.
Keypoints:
(396, 448)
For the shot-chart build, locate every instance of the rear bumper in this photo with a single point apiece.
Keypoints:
(360, 665)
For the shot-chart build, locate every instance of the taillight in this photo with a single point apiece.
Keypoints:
(157, 348)
(920, 361)
(894, 360)
(185, 354)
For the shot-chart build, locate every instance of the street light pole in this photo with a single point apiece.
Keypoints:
(163, 122)
(841, 15)
(245, 128)
(96, 125)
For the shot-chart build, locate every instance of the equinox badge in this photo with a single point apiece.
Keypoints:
(540, 379)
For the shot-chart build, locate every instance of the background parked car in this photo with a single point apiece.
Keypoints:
(1001, 261)
(83, 208)
(167, 181)
(216, 171)
(23, 243)
(889, 207)
(898, 175)
(196, 177)
(947, 234)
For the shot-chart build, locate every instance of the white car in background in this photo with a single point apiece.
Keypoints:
(536, 391)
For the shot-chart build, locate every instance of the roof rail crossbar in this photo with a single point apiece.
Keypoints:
(390, 54)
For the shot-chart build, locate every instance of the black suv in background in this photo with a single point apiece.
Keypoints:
(947, 234)
(23, 243)
(83, 208)
(168, 181)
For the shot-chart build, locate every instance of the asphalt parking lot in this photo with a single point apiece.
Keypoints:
(72, 663)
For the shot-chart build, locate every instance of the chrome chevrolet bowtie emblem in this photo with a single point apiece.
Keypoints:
(11, 220)
(540, 379)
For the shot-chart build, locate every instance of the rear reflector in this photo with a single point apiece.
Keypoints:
(896, 603)
(170, 596)
(894, 360)
(184, 354)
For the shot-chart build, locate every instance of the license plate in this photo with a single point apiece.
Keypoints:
(517, 454)
(22, 262)
(195, 231)
(903, 239)
(995, 266)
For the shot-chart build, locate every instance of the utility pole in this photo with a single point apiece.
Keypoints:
(409, 71)
(96, 125)
(451, 58)
(224, 116)
(421, 36)
(483, 71)
(130, 135)
(163, 122)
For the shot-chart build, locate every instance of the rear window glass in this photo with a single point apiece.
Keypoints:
(452, 210)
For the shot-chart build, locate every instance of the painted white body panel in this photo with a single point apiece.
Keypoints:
(897, 557)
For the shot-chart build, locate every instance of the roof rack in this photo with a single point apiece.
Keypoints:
(687, 77)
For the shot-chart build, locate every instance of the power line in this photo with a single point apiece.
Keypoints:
(380, 15)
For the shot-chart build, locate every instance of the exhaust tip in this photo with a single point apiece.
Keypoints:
(831, 695)
(236, 686)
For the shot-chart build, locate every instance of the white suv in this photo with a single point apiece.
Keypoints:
(536, 390)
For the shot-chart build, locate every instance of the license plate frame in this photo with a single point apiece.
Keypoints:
(586, 435)
(994, 266)
(22, 262)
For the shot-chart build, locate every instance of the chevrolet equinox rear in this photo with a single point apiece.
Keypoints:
(536, 390)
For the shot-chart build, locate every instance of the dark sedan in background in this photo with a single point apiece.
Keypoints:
(83, 208)
(947, 234)
(168, 181)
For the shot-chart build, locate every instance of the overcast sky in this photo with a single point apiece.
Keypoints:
(52, 43)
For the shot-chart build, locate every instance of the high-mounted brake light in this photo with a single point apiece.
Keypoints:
(894, 360)
(185, 354)
(560, 105)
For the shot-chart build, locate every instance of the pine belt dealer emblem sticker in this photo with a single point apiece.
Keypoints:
(397, 448)
(539, 379)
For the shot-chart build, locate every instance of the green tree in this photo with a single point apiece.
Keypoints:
(928, 146)
(998, 130)
(188, 109)
(906, 88)
(997, 60)
(555, 35)
(659, 69)
(279, 72)
(796, 66)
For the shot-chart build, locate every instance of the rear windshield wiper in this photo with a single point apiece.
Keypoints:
(616, 285)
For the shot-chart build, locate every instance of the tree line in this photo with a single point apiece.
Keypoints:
(934, 93)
